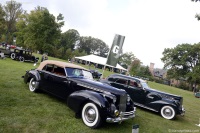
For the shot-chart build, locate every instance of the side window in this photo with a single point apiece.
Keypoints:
(134, 83)
(111, 79)
(21, 52)
(48, 68)
(122, 81)
(59, 71)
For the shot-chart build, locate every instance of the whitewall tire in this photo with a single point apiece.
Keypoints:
(12, 56)
(168, 112)
(91, 115)
(33, 85)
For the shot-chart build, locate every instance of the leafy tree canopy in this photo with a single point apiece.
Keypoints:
(2, 21)
(11, 13)
(183, 62)
(135, 66)
(126, 59)
(197, 15)
(93, 46)
(40, 30)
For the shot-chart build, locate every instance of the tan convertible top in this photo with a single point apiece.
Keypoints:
(60, 64)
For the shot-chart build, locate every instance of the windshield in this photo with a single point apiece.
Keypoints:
(144, 85)
(78, 72)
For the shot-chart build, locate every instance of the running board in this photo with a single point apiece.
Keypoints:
(143, 106)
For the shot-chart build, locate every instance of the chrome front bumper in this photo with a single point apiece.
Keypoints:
(182, 111)
(122, 117)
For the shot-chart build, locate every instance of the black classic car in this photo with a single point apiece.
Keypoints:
(96, 74)
(166, 104)
(23, 55)
(94, 101)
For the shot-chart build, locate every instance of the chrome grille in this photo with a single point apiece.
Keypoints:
(122, 104)
(181, 104)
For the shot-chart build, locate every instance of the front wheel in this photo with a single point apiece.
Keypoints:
(168, 112)
(91, 116)
(12, 56)
(33, 85)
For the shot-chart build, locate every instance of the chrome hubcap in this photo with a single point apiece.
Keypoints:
(33, 84)
(90, 114)
(168, 112)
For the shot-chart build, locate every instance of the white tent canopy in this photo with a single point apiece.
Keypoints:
(98, 60)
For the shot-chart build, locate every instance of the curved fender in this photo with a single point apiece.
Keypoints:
(160, 103)
(76, 100)
(30, 74)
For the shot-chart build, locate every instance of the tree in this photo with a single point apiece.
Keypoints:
(135, 66)
(126, 59)
(93, 46)
(21, 27)
(12, 11)
(144, 72)
(78, 53)
(2, 21)
(68, 40)
(183, 62)
(197, 15)
(42, 30)
(99, 48)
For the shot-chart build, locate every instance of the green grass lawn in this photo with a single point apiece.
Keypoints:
(24, 111)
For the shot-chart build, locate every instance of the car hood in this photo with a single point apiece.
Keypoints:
(97, 86)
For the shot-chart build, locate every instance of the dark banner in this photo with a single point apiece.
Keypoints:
(116, 50)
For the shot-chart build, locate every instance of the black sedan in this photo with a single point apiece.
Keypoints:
(95, 102)
(168, 105)
(23, 55)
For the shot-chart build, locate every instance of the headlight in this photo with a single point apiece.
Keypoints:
(128, 98)
(116, 112)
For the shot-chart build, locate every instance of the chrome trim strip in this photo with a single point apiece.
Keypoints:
(140, 105)
(93, 88)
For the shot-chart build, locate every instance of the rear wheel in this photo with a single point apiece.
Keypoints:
(168, 112)
(13, 56)
(33, 85)
(91, 115)
(21, 59)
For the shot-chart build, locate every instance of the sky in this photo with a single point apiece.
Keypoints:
(149, 26)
